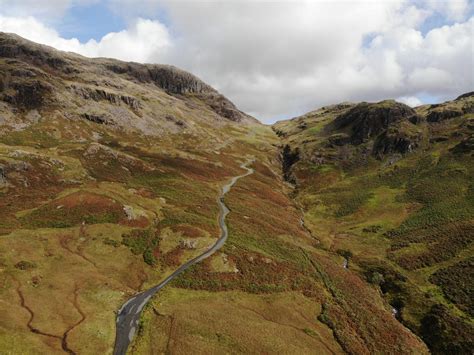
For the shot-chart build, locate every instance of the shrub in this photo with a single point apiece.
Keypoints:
(457, 283)
(143, 241)
(114, 243)
(25, 265)
(148, 257)
(376, 278)
(445, 333)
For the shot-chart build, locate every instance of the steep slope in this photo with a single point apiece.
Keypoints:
(109, 175)
(147, 99)
(108, 178)
(391, 189)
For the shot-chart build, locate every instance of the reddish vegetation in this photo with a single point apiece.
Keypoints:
(173, 258)
(30, 184)
(194, 169)
(141, 222)
(97, 203)
(145, 193)
(76, 208)
(188, 231)
(356, 316)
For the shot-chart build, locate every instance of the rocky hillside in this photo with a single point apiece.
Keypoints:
(36, 81)
(391, 188)
(109, 176)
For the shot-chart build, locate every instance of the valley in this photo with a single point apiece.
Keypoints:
(112, 183)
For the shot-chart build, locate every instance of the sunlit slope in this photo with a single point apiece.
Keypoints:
(392, 188)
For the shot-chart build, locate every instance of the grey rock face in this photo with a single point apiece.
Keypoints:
(438, 115)
(34, 76)
(167, 77)
(100, 119)
(100, 94)
(13, 46)
(394, 141)
(178, 82)
(366, 120)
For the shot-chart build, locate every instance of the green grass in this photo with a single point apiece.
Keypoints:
(33, 137)
(143, 241)
(457, 283)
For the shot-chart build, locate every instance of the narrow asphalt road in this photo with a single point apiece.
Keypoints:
(129, 315)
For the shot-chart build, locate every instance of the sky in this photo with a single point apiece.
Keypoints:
(273, 59)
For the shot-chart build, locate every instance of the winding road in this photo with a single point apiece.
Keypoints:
(129, 315)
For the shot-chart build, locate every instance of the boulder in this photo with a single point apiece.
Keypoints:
(188, 243)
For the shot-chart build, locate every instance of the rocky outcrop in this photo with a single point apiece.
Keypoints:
(442, 114)
(178, 82)
(166, 77)
(97, 94)
(338, 139)
(100, 119)
(31, 95)
(13, 46)
(366, 120)
(100, 79)
(464, 96)
(288, 158)
(466, 146)
(188, 243)
(176, 121)
(394, 141)
(223, 107)
(23, 86)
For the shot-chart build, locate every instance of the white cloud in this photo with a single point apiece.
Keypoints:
(429, 79)
(411, 101)
(143, 41)
(287, 57)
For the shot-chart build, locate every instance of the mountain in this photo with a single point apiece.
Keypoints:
(147, 99)
(351, 233)
(392, 187)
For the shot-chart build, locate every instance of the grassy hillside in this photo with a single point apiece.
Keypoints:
(109, 174)
(391, 188)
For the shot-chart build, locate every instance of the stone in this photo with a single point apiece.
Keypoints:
(188, 243)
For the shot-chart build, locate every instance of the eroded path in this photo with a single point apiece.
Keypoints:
(129, 315)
